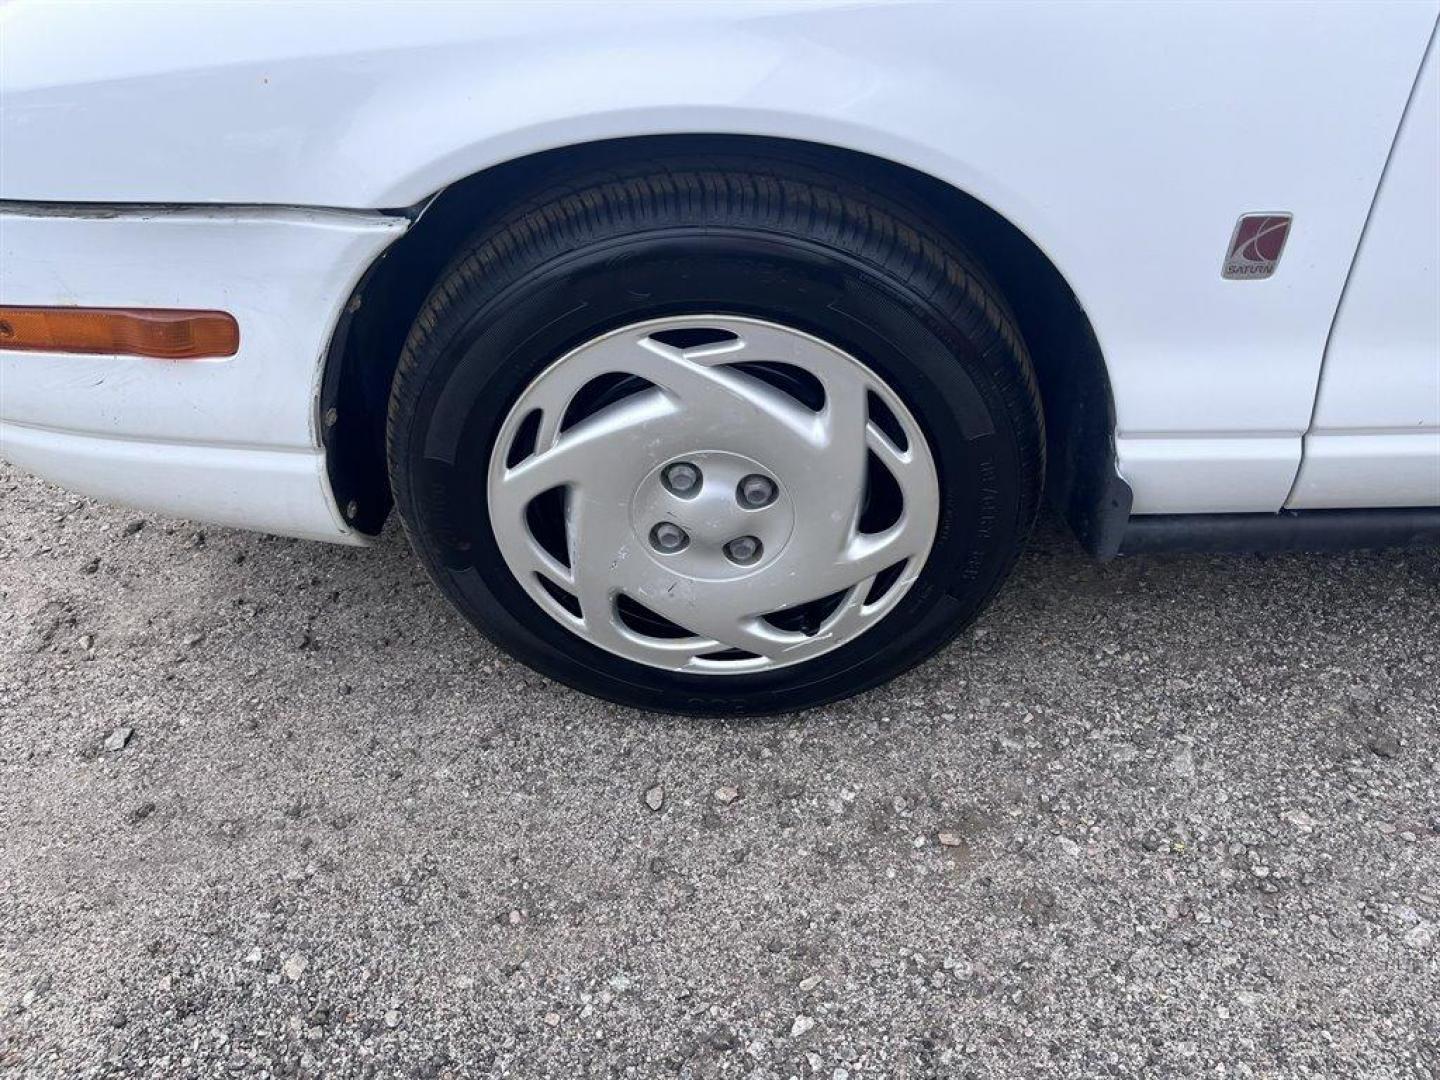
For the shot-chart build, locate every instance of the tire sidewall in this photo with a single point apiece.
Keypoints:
(486, 348)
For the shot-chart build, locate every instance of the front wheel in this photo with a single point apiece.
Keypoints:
(715, 437)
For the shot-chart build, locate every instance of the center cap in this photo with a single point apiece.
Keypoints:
(712, 515)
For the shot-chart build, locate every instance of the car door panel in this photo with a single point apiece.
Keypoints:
(1375, 437)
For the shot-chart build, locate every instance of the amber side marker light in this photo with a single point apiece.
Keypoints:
(163, 333)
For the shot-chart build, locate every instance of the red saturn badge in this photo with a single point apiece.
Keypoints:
(1255, 246)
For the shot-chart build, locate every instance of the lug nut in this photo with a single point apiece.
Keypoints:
(668, 537)
(743, 549)
(756, 491)
(682, 478)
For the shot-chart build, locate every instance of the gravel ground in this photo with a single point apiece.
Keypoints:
(269, 808)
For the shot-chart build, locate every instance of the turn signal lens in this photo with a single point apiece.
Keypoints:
(159, 332)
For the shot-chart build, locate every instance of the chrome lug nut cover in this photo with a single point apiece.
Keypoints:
(668, 537)
(744, 549)
(682, 478)
(756, 491)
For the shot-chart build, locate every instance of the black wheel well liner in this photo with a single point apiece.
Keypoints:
(1074, 384)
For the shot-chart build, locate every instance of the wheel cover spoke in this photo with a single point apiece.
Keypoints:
(718, 393)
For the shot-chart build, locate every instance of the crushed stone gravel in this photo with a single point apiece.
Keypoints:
(1169, 816)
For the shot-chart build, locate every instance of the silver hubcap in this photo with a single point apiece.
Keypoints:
(712, 494)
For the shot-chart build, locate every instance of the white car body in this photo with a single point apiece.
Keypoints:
(258, 159)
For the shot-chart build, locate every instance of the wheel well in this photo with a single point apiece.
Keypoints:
(1074, 385)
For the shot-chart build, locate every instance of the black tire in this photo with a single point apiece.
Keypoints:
(772, 239)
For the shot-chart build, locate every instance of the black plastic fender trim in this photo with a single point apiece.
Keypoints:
(1287, 530)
